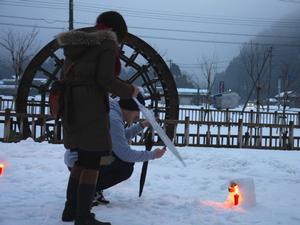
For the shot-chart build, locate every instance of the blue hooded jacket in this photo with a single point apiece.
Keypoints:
(120, 137)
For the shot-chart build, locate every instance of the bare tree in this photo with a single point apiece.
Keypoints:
(208, 68)
(284, 75)
(289, 78)
(20, 47)
(255, 57)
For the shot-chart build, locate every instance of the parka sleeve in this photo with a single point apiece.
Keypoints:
(120, 144)
(105, 75)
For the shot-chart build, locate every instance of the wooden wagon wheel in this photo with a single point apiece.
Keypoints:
(144, 66)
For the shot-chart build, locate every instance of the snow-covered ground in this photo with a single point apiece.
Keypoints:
(32, 188)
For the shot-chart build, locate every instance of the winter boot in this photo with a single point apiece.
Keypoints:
(70, 205)
(99, 199)
(85, 195)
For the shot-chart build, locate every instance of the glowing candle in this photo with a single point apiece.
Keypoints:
(234, 192)
(1, 169)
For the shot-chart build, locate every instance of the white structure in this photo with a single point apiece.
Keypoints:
(192, 96)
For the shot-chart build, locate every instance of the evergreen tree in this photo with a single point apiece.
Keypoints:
(181, 78)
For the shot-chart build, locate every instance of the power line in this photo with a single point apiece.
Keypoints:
(219, 33)
(163, 16)
(157, 13)
(172, 13)
(32, 26)
(50, 21)
(166, 38)
(160, 29)
(215, 42)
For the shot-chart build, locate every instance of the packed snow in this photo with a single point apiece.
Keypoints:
(33, 185)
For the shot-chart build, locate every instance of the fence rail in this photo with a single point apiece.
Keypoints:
(250, 116)
(195, 114)
(241, 134)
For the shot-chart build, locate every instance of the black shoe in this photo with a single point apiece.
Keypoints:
(68, 214)
(90, 220)
(99, 199)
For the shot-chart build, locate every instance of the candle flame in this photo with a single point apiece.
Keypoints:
(234, 197)
(1, 169)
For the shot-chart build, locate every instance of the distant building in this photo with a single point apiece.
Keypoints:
(192, 96)
(292, 100)
(226, 100)
(8, 86)
(187, 96)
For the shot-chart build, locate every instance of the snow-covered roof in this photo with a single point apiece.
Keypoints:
(191, 90)
(7, 86)
(281, 94)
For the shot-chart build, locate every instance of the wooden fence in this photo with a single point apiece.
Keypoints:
(241, 134)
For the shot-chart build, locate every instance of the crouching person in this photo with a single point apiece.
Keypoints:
(124, 110)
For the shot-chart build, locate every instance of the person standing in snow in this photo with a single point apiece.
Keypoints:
(93, 59)
(124, 156)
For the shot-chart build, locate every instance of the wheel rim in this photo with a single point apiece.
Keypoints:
(143, 66)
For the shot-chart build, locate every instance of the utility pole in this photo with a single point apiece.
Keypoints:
(270, 75)
(71, 16)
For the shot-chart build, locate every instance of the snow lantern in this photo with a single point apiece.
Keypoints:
(1, 169)
(241, 193)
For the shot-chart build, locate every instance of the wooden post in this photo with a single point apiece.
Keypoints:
(251, 136)
(280, 137)
(198, 134)
(43, 128)
(291, 135)
(174, 134)
(298, 119)
(219, 135)
(186, 130)
(227, 116)
(247, 137)
(7, 126)
(32, 106)
(202, 114)
(240, 133)
(260, 129)
(251, 116)
(22, 126)
(33, 128)
(228, 134)
(208, 137)
(1, 108)
(275, 118)
(270, 137)
(55, 132)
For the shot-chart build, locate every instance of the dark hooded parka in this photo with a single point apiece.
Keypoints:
(85, 117)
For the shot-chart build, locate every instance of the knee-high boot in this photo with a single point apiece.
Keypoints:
(85, 195)
(71, 195)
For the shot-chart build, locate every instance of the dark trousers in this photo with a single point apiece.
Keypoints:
(114, 173)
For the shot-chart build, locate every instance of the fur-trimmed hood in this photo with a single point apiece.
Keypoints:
(77, 37)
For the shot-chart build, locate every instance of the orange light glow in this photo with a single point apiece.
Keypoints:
(234, 197)
(1, 169)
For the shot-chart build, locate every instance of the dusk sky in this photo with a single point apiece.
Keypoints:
(181, 31)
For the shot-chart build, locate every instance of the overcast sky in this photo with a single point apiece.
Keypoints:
(181, 31)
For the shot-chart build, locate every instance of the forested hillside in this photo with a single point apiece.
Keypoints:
(276, 59)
